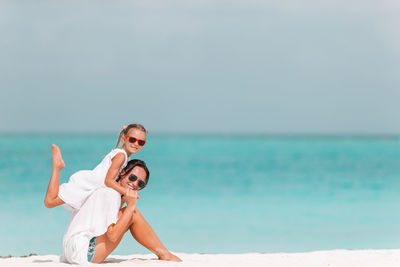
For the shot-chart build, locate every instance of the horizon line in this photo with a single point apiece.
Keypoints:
(250, 134)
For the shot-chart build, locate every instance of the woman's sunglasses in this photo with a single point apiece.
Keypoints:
(141, 184)
(133, 140)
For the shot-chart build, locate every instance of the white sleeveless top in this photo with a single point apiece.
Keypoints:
(97, 213)
(83, 183)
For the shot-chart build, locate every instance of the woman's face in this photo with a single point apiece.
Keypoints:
(134, 179)
(138, 136)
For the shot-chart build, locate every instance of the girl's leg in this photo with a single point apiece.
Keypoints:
(145, 235)
(51, 199)
(142, 232)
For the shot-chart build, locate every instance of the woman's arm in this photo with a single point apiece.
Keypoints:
(117, 230)
(116, 164)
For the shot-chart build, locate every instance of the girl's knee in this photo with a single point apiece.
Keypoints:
(52, 202)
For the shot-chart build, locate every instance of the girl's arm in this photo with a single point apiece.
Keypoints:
(116, 164)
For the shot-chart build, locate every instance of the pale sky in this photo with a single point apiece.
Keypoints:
(296, 67)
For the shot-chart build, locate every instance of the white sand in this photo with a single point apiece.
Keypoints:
(331, 258)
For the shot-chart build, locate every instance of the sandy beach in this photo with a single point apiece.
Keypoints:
(331, 258)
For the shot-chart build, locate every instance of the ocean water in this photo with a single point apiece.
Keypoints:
(220, 194)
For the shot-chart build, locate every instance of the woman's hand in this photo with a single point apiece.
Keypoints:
(117, 230)
(131, 197)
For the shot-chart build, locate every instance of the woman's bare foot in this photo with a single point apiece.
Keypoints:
(169, 257)
(58, 162)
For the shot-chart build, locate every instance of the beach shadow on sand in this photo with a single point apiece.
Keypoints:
(109, 260)
(115, 260)
(41, 261)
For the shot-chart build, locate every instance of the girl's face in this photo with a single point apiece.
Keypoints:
(134, 141)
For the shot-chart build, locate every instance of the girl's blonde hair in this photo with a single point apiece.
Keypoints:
(126, 129)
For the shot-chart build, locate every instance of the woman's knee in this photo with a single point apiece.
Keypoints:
(134, 215)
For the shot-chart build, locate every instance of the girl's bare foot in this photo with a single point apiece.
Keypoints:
(58, 162)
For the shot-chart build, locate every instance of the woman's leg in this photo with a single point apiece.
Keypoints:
(104, 246)
(142, 232)
(51, 199)
(145, 235)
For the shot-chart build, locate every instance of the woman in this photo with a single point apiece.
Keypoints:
(96, 229)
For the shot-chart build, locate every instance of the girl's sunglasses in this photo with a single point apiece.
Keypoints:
(141, 184)
(133, 140)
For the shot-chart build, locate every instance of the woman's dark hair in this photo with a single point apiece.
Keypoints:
(135, 163)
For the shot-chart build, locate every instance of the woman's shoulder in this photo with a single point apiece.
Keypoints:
(105, 192)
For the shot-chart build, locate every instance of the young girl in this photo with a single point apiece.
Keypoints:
(82, 183)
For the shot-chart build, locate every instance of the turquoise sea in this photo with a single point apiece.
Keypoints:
(220, 194)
